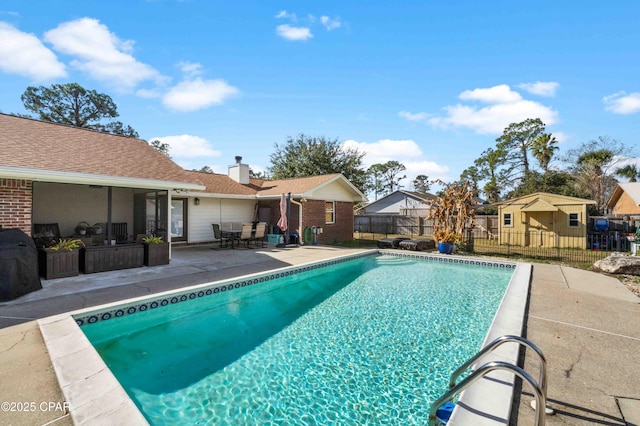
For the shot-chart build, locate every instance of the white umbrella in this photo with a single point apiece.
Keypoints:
(282, 223)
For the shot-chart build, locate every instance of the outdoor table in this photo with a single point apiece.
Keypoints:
(232, 235)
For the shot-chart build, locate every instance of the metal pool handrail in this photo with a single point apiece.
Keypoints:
(480, 373)
(493, 345)
(540, 387)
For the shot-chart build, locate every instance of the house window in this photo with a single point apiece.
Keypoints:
(507, 219)
(329, 212)
(574, 220)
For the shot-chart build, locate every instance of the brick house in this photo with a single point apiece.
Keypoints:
(324, 201)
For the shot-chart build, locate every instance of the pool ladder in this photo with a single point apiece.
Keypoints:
(540, 387)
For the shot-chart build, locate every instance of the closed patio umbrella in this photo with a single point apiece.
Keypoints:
(282, 223)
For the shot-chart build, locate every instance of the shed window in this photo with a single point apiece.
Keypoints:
(574, 219)
(329, 211)
(507, 219)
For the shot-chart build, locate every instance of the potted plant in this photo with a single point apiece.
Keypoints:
(446, 240)
(451, 211)
(156, 251)
(60, 260)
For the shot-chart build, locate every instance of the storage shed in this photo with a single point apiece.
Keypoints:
(544, 220)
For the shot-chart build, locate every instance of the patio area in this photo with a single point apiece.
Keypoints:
(586, 324)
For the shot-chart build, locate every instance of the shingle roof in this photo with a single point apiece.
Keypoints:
(294, 185)
(222, 184)
(33, 144)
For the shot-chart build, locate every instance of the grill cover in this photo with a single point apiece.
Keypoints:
(18, 264)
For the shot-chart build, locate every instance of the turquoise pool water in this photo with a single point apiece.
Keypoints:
(368, 341)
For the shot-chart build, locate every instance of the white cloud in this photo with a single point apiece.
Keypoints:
(149, 93)
(24, 54)
(185, 147)
(100, 53)
(541, 88)
(492, 95)
(293, 33)
(195, 94)
(283, 14)
(190, 69)
(329, 23)
(418, 116)
(506, 107)
(406, 152)
(623, 103)
(561, 137)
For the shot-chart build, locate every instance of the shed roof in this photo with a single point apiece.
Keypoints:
(552, 199)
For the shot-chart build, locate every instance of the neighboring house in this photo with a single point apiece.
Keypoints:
(625, 200)
(543, 220)
(397, 201)
(51, 173)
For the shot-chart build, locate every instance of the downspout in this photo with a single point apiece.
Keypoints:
(300, 229)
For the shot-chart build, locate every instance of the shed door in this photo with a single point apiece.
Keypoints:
(541, 229)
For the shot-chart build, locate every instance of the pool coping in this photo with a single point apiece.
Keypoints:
(95, 395)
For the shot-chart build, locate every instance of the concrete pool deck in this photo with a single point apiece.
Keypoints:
(585, 323)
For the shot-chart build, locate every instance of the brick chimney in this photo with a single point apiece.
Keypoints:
(239, 172)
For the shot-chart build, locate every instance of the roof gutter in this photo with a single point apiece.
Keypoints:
(91, 179)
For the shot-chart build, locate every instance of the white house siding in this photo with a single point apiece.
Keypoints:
(216, 210)
(333, 192)
(67, 205)
(392, 204)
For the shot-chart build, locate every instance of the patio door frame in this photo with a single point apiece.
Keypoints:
(185, 216)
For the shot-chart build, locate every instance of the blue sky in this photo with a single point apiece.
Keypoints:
(430, 84)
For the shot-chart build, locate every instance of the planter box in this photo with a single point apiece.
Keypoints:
(156, 254)
(110, 258)
(58, 263)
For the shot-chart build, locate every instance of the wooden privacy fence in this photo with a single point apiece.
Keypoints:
(481, 226)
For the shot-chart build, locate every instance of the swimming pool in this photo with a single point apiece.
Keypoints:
(385, 381)
(372, 339)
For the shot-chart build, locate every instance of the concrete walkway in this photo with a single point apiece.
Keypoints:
(587, 325)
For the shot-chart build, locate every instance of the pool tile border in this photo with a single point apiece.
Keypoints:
(99, 315)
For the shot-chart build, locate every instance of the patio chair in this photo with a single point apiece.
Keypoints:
(217, 235)
(119, 232)
(246, 235)
(260, 234)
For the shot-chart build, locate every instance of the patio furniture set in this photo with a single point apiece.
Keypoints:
(248, 233)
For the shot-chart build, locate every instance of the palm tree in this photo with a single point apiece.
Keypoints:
(543, 149)
(629, 171)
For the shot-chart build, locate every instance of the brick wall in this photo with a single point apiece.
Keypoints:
(16, 197)
(313, 214)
